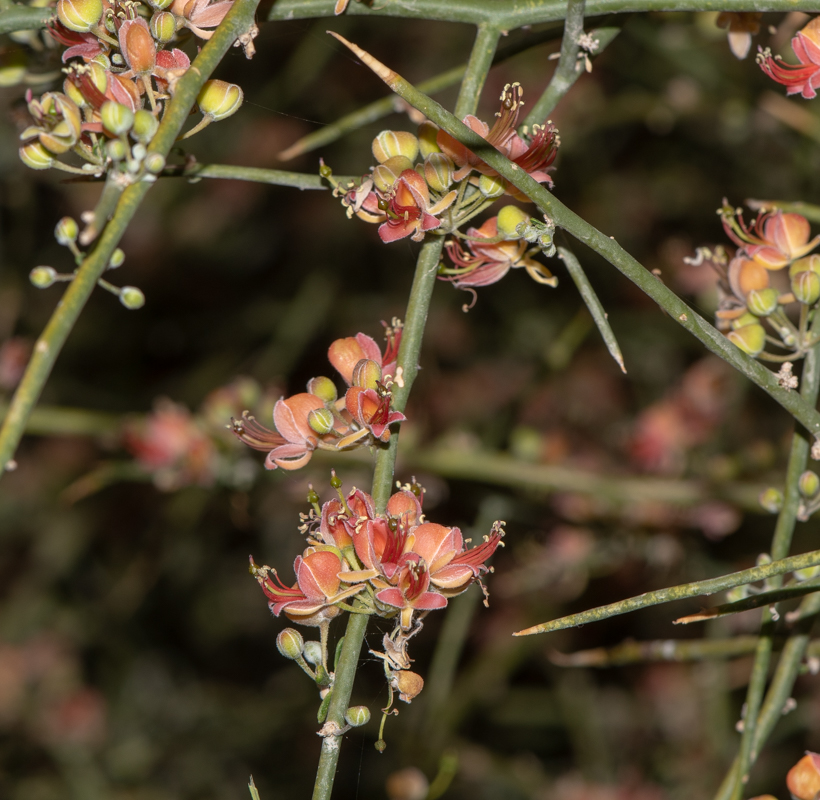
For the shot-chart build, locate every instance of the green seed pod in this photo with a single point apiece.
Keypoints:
(751, 339)
(145, 126)
(357, 715)
(116, 149)
(312, 496)
(438, 172)
(771, 500)
(116, 118)
(385, 175)
(762, 302)
(131, 297)
(427, 133)
(320, 420)
(389, 144)
(312, 652)
(66, 231)
(154, 163)
(323, 388)
(163, 26)
(366, 374)
(42, 277)
(335, 481)
(79, 15)
(806, 287)
(290, 643)
(381, 745)
(491, 187)
(117, 259)
(35, 156)
(219, 99)
(809, 484)
(805, 264)
(509, 218)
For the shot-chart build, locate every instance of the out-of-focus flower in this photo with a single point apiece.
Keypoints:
(199, 14)
(803, 77)
(803, 778)
(57, 122)
(742, 25)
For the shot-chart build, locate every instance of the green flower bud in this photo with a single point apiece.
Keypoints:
(427, 133)
(116, 149)
(154, 163)
(290, 643)
(66, 231)
(12, 75)
(35, 156)
(805, 264)
(747, 318)
(385, 175)
(491, 187)
(762, 302)
(323, 388)
(807, 574)
(116, 118)
(366, 374)
(117, 259)
(312, 652)
(381, 745)
(357, 715)
(160, 5)
(145, 125)
(809, 484)
(219, 99)
(79, 15)
(509, 218)
(751, 339)
(131, 297)
(163, 26)
(335, 481)
(438, 172)
(389, 144)
(771, 500)
(320, 420)
(806, 287)
(42, 277)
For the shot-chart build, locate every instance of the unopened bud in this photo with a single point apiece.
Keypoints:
(79, 15)
(806, 264)
(160, 5)
(357, 715)
(385, 175)
(12, 75)
(438, 171)
(42, 277)
(320, 420)
(116, 118)
(751, 339)
(290, 643)
(66, 231)
(35, 156)
(807, 574)
(366, 374)
(803, 778)
(491, 187)
(808, 484)
(427, 133)
(163, 26)
(312, 652)
(154, 163)
(380, 745)
(117, 259)
(323, 388)
(116, 149)
(771, 500)
(509, 218)
(762, 302)
(806, 287)
(395, 143)
(145, 125)
(131, 297)
(219, 99)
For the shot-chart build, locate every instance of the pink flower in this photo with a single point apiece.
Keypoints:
(409, 212)
(411, 594)
(345, 354)
(84, 45)
(370, 409)
(199, 14)
(805, 76)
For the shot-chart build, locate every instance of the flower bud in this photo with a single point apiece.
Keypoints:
(803, 779)
(35, 156)
(12, 75)
(491, 187)
(808, 484)
(366, 374)
(160, 5)
(154, 163)
(117, 259)
(163, 26)
(389, 144)
(751, 339)
(805, 264)
(747, 318)
(806, 287)
(357, 715)
(290, 643)
(323, 388)
(427, 133)
(807, 574)
(137, 46)
(80, 15)
(320, 420)
(762, 302)
(219, 99)
(145, 125)
(116, 118)
(312, 651)
(380, 745)
(42, 277)
(116, 149)
(438, 172)
(509, 218)
(771, 500)
(407, 784)
(385, 175)
(131, 297)
(66, 231)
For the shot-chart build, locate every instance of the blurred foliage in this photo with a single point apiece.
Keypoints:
(137, 657)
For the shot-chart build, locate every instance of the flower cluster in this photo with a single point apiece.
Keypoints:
(775, 241)
(320, 419)
(804, 77)
(432, 184)
(122, 68)
(396, 565)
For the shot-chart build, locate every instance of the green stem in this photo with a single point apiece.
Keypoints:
(50, 343)
(481, 59)
(274, 177)
(681, 592)
(808, 210)
(23, 18)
